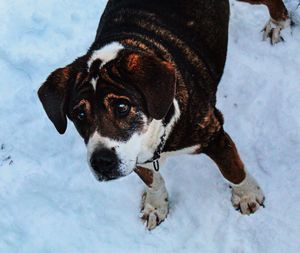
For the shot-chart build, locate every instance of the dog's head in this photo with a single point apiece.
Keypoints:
(112, 97)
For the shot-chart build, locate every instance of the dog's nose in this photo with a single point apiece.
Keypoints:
(105, 164)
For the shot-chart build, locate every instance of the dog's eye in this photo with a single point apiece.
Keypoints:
(122, 108)
(79, 113)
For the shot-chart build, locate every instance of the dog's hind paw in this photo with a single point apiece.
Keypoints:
(273, 28)
(247, 197)
(154, 209)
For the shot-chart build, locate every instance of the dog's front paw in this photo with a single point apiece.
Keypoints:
(247, 197)
(155, 208)
(273, 28)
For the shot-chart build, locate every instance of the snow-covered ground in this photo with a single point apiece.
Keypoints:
(50, 201)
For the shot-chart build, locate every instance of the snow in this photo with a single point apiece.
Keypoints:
(50, 201)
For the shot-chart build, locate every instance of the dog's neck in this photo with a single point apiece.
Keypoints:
(158, 131)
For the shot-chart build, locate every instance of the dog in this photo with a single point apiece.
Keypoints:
(146, 89)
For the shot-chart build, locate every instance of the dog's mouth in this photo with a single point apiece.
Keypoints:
(103, 178)
(114, 174)
(107, 176)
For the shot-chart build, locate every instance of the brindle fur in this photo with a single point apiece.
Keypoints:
(188, 37)
(195, 43)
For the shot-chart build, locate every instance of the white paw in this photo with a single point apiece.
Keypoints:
(247, 196)
(273, 28)
(154, 209)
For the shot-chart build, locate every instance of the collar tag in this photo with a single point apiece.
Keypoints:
(156, 165)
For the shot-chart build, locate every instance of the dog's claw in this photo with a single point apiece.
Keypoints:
(272, 30)
(247, 206)
(153, 211)
(247, 197)
(262, 202)
(151, 220)
(152, 217)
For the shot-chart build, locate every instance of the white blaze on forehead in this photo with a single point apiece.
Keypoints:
(106, 53)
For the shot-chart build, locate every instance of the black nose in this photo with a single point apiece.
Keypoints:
(105, 164)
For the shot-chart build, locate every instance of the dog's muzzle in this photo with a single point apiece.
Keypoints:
(105, 164)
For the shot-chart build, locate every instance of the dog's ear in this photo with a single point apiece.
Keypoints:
(154, 78)
(54, 92)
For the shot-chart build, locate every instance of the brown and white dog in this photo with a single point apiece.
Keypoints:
(146, 89)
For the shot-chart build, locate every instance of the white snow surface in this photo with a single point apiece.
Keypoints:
(51, 202)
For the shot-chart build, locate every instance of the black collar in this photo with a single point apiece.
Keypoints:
(159, 149)
(163, 139)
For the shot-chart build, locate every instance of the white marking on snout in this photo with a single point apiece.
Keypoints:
(106, 53)
(126, 151)
(139, 148)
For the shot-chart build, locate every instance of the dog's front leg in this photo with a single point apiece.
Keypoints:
(155, 206)
(247, 196)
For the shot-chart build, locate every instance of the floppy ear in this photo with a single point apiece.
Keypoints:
(54, 93)
(154, 78)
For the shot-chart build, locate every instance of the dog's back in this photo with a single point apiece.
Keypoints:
(192, 33)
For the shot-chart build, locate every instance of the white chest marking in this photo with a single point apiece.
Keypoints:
(151, 138)
(94, 82)
(184, 151)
